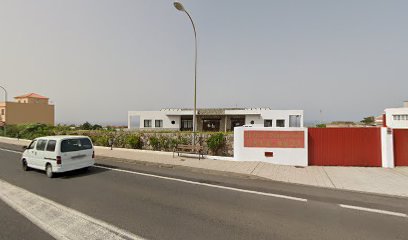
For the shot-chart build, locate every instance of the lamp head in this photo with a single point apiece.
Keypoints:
(179, 6)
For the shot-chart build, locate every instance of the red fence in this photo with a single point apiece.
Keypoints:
(345, 147)
(400, 147)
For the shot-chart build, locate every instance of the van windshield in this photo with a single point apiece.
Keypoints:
(75, 144)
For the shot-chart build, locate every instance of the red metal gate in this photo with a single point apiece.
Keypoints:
(400, 147)
(345, 147)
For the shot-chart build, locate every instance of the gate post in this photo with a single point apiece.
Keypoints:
(387, 148)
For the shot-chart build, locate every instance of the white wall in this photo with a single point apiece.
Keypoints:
(282, 156)
(274, 115)
(157, 115)
(389, 112)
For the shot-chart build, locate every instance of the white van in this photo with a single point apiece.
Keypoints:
(56, 154)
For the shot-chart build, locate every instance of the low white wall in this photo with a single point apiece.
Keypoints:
(387, 148)
(282, 156)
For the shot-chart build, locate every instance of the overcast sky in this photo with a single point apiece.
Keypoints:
(97, 59)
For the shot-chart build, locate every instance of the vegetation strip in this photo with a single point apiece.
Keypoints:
(215, 143)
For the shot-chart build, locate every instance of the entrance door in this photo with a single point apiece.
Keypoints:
(211, 125)
(400, 147)
(236, 122)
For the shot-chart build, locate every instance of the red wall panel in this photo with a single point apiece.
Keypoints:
(400, 147)
(345, 147)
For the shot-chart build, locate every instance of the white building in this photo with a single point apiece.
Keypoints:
(397, 117)
(215, 119)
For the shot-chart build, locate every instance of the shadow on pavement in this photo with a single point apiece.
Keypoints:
(84, 172)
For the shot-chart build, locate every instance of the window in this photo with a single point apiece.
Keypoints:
(51, 146)
(158, 123)
(399, 117)
(147, 123)
(252, 122)
(75, 144)
(32, 145)
(173, 122)
(41, 145)
(268, 123)
(187, 124)
(2, 111)
(294, 120)
(280, 123)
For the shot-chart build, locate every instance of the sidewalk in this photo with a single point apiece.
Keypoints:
(374, 180)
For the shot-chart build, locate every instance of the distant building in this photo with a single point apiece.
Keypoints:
(215, 119)
(379, 121)
(397, 117)
(28, 108)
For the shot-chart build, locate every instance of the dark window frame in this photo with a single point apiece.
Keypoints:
(279, 121)
(147, 121)
(48, 144)
(268, 122)
(40, 141)
(32, 144)
(158, 125)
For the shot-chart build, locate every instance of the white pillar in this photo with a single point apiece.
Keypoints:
(387, 148)
(129, 120)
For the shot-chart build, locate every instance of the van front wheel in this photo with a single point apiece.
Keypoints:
(25, 166)
(48, 171)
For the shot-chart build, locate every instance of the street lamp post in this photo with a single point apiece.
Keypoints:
(181, 8)
(5, 103)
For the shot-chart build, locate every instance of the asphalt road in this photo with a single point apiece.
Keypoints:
(162, 208)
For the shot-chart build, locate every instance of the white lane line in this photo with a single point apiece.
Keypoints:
(373, 210)
(8, 150)
(196, 183)
(207, 184)
(60, 222)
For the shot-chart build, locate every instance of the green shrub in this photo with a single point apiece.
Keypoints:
(165, 143)
(215, 142)
(134, 141)
(101, 140)
(154, 143)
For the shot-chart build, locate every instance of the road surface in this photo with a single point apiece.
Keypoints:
(156, 202)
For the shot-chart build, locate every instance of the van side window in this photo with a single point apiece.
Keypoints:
(41, 145)
(51, 145)
(32, 144)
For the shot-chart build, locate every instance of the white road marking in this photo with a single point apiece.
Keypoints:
(374, 210)
(60, 222)
(8, 150)
(207, 184)
(197, 183)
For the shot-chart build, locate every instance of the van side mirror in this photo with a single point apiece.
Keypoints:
(25, 147)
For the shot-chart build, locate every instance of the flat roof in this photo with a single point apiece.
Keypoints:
(61, 137)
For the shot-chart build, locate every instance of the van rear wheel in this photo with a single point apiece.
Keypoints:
(48, 171)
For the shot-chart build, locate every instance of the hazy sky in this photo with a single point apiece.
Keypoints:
(97, 59)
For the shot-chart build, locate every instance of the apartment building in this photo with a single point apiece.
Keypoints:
(28, 108)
